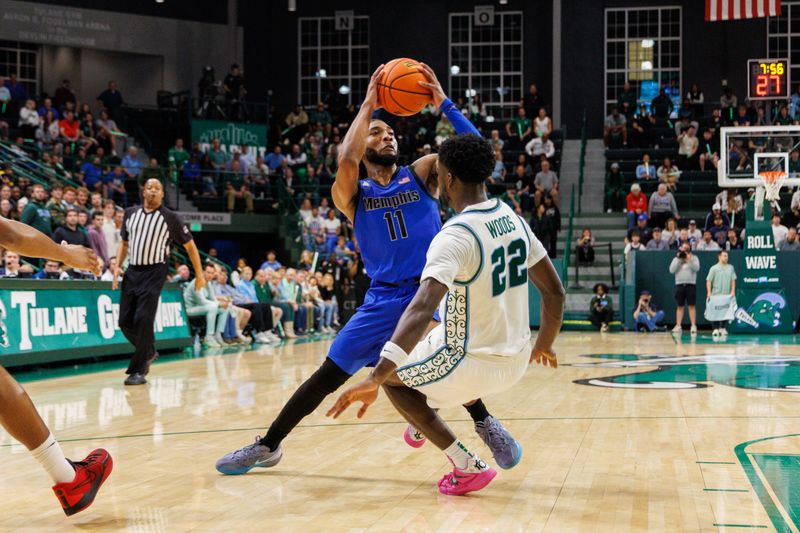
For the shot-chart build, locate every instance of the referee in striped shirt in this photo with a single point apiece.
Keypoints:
(146, 232)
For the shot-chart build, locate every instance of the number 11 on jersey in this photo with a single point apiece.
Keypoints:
(389, 217)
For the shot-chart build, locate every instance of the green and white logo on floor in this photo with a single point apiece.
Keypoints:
(759, 372)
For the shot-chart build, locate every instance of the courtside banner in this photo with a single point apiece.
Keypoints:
(47, 320)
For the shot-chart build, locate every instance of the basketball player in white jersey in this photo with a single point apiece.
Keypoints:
(477, 272)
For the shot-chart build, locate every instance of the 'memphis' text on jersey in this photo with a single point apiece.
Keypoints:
(391, 202)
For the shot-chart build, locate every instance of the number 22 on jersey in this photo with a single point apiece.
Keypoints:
(514, 258)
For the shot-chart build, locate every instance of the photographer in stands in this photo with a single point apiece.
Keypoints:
(685, 267)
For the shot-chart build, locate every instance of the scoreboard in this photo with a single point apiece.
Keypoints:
(768, 79)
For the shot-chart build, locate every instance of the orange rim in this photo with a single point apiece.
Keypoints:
(772, 176)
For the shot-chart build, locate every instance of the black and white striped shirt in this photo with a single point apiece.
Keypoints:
(148, 234)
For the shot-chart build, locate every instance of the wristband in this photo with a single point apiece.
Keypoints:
(394, 353)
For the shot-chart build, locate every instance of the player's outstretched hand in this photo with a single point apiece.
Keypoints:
(432, 84)
(81, 258)
(371, 99)
(365, 392)
(199, 282)
(544, 357)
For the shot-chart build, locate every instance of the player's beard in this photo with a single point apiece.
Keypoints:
(375, 158)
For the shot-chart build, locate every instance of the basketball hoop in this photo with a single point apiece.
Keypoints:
(772, 181)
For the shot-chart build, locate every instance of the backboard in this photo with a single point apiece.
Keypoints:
(747, 151)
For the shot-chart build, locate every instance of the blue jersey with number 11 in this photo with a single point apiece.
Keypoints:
(394, 226)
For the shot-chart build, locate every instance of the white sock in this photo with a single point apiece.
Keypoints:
(52, 459)
(463, 459)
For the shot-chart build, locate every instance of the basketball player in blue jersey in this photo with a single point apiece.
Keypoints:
(395, 212)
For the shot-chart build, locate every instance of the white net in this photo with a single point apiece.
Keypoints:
(772, 181)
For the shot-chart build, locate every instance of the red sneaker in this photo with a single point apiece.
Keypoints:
(90, 473)
(458, 483)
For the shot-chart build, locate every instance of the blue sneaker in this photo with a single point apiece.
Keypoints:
(245, 459)
(506, 451)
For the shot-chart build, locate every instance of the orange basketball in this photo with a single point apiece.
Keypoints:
(399, 92)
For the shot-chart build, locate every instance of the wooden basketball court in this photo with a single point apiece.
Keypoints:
(631, 433)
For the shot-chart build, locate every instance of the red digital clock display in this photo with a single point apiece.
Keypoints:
(767, 79)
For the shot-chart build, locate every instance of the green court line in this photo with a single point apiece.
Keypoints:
(726, 490)
(740, 525)
(715, 462)
(758, 486)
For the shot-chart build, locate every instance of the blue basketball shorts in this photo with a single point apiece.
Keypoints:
(360, 341)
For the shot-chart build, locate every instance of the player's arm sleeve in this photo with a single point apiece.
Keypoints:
(178, 231)
(536, 251)
(454, 256)
(460, 123)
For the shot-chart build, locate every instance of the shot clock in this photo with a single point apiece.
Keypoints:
(767, 79)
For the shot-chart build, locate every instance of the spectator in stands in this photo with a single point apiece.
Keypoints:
(177, 156)
(661, 106)
(646, 315)
(114, 186)
(218, 157)
(539, 146)
(626, 101)
(496, 141)
(545, 184)
(644, 231)
(275, 158)
(615, 189)
(69, 232)
(247, 298)
(661, 206)
(499, 172)
(742, 117)
(601, 307)
(110, 232)
(731, 202)
(69, 129)
(728, 100)
(532, 100)
(48, 132)
(645, 171)
(636, 204)
(523, 183)
(734, 242)
(182, 274)
(298, 117)
(265, 294)
(641, 130)
(615, 129)
(779, 231)
(519, 129)
(332, 228)
(552, 212)
(297, 159)
(37, 214)
(695, 233)
(28, 119)
(716, 210)
(237, 188)
(542, 227)
(512, 198)
(51, 270)
(444, 130)
(685, 239)
(233, 85)
(290, 292)
(63, 95)
(91, 173)
(11, 266)
(707, 243)
(791, 243)
(97, 241)
(584, 250)
(657, 243)
(688, 145)
(204, 303)
(107, 132)
(131, 165)
(16, 88)
(719, 231)
(542, 125)
(695, 97)
(686, 117)
(668, 174)
(111, 99)
(708, 150)
(633, 244)
(684, 267)
(271, 263)
(7, 210)
(671, 233)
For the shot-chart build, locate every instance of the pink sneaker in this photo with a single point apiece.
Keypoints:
(458, 483)
(413, 438)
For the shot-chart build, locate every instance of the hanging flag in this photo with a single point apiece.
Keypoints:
(741, 9)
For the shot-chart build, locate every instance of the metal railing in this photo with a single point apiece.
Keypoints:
(582, 160)
(608, 245)
(568, 244)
